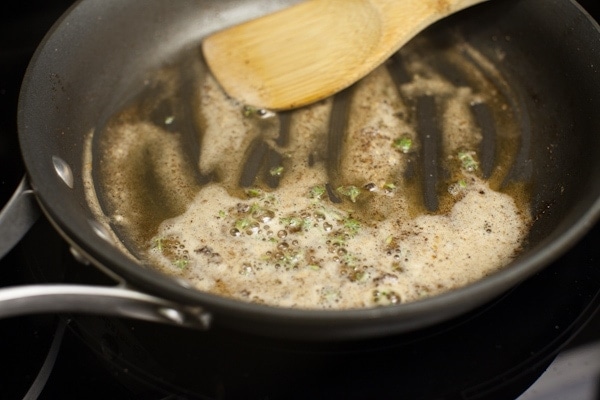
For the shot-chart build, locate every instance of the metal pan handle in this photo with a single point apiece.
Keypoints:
(16, 218)
(108, 301)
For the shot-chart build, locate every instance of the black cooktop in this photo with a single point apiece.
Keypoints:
(495, 352)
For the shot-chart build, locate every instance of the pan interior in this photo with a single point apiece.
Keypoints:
(102, 54)
(437, 125)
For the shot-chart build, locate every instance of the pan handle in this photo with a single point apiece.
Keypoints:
(17, 217)
(108, 301)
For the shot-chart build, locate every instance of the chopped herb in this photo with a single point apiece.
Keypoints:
(243, 223)
(254, 208)
(249, 111)
(317, 192)
(296, 224)
(389, 187)
(404, 144)
(254, 192)
(457, 188)
(352, 225)
(352, 192)
(468, 161)
(276, 171)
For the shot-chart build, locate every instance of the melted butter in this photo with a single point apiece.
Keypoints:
(173, 194)
(308, 253)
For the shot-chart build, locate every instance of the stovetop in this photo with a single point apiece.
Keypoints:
(498, 351)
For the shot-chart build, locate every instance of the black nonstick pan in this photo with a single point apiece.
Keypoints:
(97, 57)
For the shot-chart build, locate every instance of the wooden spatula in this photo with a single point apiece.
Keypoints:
(314, 49)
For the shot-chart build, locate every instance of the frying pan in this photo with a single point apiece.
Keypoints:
(99, 53)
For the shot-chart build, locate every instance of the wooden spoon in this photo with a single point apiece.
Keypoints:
(316, 48)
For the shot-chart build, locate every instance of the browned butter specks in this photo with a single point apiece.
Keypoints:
(355, 236)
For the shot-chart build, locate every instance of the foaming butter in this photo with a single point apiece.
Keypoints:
(355, 237)
(293, 248)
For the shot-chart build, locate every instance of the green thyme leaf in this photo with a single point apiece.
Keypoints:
(276, 171)
(352, 192)
(404, 144)
(468, 161)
